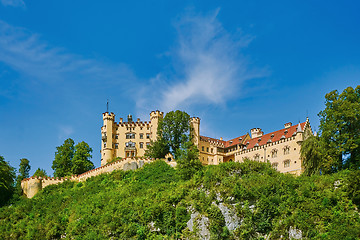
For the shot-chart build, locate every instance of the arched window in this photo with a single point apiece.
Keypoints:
(286, 150)
(274, 153)
(257, 157)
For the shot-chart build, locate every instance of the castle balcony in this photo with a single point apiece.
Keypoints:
(104, 137)
(130, 148)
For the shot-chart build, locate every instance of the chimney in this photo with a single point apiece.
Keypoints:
(287, 125)
(138, 120)
(221, 138)
(121, 120)
(256, 132)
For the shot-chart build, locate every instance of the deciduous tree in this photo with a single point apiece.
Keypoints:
(340, 128)
(311, 156)
(81, 160)
(62, 164)
(40, 173)
(188, 160)
(24, 169)
(7, 177)
(172, 133)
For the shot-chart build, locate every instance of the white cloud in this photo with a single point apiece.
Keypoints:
(211, 66)
(27, 53)
(13, 3)
(65, 132)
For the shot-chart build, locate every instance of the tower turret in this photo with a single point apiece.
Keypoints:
(155, 116)
(107, 131)
(195, 130)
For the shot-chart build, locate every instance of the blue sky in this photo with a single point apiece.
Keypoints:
(235, 64)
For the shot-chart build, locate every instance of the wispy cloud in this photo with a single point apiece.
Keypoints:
(209, 63)
(64, 132)
(13, 3)
(27, 53)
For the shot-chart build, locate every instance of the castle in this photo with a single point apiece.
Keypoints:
(281, 148)
(123, 146)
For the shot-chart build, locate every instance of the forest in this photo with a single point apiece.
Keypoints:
(155, 203)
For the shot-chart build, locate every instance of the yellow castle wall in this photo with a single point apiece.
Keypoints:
(265, 154)
(114, 136)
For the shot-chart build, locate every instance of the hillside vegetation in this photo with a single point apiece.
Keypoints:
(230, 201)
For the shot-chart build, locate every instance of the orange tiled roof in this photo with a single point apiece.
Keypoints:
(273, 136)
(226, 144)
(207, 139)
(235, 141)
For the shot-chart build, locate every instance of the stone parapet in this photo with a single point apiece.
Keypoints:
(33, 185)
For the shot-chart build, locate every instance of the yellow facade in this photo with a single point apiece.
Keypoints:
(281, 148)
(127, 138)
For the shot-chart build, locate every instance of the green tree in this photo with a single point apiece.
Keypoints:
(62, 164)
(188, 161)
(7, 177)
(40, 173)
(24, 169)
(81, 160)
(158, 149)
(311, 156)
(173, 132)
(340, 128)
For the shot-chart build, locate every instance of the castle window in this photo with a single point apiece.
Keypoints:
(116, 145)
(207, 149)
(286, 150)
(141, 145)
(202, 148)
(130, 144)
(257, 157)
(130, 136)
(141, 135)
(148, 135)
(147, 144)
(274, 153)
(117, 136)
(105, 145)
(211, 150)
(286, 163)
(275, 165)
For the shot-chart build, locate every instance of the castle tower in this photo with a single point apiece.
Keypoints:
(155, 116)
(107, 131)
(256, 132)
(195, 130)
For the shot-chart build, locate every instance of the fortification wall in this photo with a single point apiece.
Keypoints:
(33, 185)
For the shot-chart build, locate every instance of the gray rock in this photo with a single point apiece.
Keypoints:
(295, 233)
(232, 221)
(201, 223)
(127, 167)
(134, 166)
(141, 163)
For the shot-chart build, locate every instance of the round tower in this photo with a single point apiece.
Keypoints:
(107, 131)
(195, 130)
(155, 116)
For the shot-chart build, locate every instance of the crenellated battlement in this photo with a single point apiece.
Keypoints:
(33, 185)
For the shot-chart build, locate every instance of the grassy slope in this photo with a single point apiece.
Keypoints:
(122, 204)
